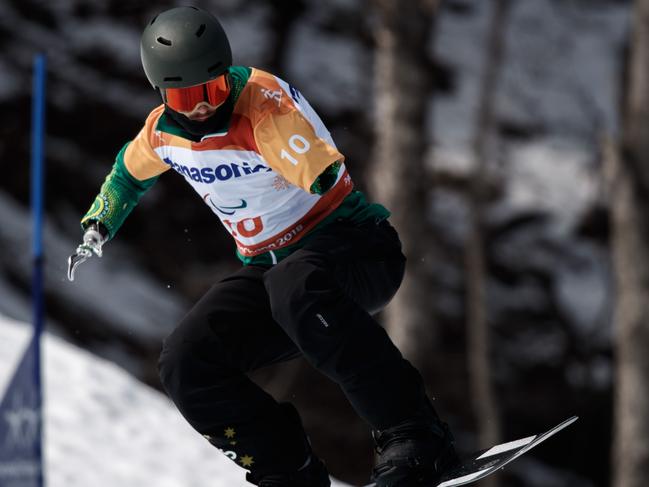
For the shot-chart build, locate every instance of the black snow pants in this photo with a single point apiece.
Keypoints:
(317, 303)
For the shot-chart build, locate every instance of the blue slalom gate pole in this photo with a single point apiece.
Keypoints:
(37, 200)
(21, 407)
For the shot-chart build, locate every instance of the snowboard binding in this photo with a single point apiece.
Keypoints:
(413, 453)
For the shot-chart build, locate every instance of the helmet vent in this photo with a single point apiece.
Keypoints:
(214, 66)
(200, 30)
(154, 19)
(164, 41)
(173, 78)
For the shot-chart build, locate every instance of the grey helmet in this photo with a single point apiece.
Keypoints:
(182, 47)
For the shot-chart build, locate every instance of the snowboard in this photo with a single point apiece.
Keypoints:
(483, 463)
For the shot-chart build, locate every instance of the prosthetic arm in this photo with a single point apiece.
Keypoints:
(118, 196)
(93, 239)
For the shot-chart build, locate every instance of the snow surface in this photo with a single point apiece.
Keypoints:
(554, 176)
(103, 428)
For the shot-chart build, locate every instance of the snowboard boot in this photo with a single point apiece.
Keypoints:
(313, 474)
(413, 453)
(309, 470)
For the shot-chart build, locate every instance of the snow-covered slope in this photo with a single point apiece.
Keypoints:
(103, 428)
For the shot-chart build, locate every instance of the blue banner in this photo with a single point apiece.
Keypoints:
(20, 425)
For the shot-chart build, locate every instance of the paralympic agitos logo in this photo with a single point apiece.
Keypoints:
(221, 172)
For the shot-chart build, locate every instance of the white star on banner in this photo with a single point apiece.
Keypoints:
(23, 420)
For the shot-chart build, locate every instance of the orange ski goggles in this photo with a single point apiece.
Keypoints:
(214, 92)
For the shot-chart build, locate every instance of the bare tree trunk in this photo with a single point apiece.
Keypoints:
(285, 16)
(485, 404)
(628, 181)
(631, 451)
(402, 88)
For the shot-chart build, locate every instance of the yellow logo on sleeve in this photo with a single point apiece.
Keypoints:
(98, 210)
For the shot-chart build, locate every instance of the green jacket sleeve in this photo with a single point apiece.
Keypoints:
(326, 180)
(117, 197)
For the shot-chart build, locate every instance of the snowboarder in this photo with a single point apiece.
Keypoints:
(318, 262)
